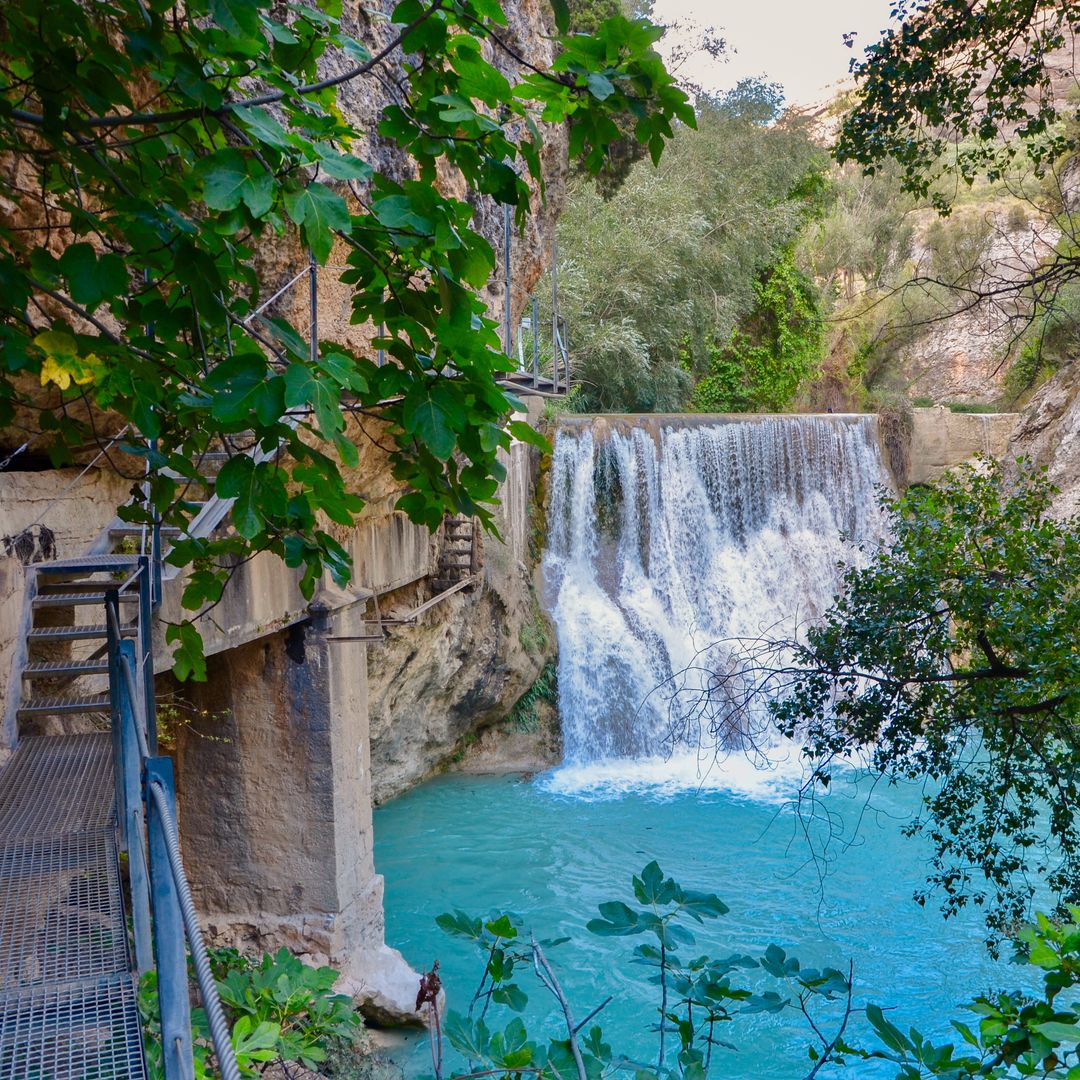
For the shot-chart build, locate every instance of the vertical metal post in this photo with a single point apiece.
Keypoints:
(169, 949)
(112, 621)
(555, 315)
(313, 301)
(536, 340)
(380, 355)
(134, 821)
(145, 666)
(508, 340)
(564, 342)
(155, 533)
(155, 549)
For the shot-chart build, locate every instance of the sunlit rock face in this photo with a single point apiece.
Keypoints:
(1049, 434)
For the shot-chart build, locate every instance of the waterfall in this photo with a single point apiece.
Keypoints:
(668, 535)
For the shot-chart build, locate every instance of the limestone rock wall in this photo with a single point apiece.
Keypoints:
(963, 358)
(1049, 434)
(464, 666)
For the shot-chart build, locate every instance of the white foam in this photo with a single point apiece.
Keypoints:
(775, 778)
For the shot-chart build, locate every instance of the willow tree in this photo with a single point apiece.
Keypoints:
(149, 147)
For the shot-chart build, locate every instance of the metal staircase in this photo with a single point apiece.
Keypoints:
(92, 887)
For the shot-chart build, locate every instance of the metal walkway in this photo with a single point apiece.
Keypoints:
(92, 887)
(67, 988)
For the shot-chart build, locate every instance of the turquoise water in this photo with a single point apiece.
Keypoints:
(513, 844)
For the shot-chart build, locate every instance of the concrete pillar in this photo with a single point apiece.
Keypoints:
(275, 804)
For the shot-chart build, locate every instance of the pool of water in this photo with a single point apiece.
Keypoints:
(549, 849)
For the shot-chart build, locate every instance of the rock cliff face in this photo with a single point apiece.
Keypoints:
(1049, 434)
(964, 358)
(433, 686)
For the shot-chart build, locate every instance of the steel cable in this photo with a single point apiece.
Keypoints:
(219, 1026)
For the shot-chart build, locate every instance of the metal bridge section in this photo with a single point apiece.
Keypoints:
(87, 831)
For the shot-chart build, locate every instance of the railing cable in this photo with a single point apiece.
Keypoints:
(219, 1026)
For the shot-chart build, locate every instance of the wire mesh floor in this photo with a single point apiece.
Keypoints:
(68, 1007)
(57, 784)
(60, 910)
(72, 1031)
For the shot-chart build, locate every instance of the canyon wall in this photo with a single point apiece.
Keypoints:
(436, 685)
(1048, 434)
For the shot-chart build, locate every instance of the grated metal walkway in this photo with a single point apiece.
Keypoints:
(67, 991)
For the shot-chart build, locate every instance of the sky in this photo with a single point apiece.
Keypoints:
(797, 43)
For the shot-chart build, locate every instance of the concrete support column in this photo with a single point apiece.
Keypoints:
(275, 804)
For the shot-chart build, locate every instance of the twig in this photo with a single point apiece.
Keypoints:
(831, 1046)
(603, 1005)
(547, 977)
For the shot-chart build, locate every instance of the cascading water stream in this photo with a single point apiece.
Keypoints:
(669, 536)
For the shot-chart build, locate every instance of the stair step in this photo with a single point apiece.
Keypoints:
(75, 633)
(52, 704)
(88, 564)
(137, 530)
(69, 588)
(70, 599)
(51, 669)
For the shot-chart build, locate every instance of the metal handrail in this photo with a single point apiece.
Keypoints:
(215, 1015)
(167, 896)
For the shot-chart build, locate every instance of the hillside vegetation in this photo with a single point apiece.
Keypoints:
(751, 272)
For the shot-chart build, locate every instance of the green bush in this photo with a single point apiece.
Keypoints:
(526, 716)
(279, 1009)
(774, 351)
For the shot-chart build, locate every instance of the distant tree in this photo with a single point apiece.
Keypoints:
(652, 279)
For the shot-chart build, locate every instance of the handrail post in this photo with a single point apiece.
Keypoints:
(134, 821)
(555, 315)
(536, 340)
(145, 667)
(116, 722)
(169, 950)
(508, 339)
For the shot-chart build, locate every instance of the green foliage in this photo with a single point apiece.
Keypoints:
(696, 996)
(162, 145)
(1051, 342)
(951, 656)
(1013, 1034)
(651, 278)
(525, 715)
(298, 1001)
(775, 350)
(534, 635)
(279, 1009)
(948, 96)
